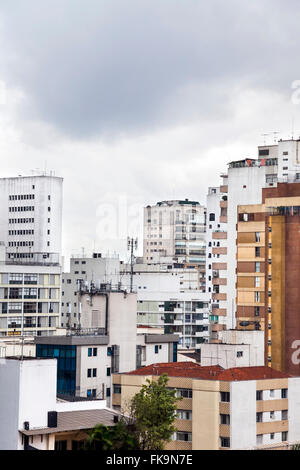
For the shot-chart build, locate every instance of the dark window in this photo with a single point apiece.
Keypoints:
(259, 395)
(225, 419)
(225, 441)
(284, 392)
(225, 396)
(263, 152)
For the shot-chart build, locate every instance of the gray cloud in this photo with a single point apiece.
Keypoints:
(107, 67)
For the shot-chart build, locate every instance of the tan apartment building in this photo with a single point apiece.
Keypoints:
(238, 408)
(268, 273)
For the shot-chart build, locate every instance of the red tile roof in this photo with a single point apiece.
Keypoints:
(194, 370)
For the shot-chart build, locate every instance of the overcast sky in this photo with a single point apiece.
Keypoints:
(136, 101)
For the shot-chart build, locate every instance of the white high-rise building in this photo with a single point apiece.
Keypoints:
(30, 255)
(175, 228)
(31, 218)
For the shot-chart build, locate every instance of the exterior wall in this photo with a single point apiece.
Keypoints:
(294, 409)
(216, 257)
(182, 313)
(37, 392)
(9, 399)
(206, 399)
(101, 362)
(230, 355)
(85, 269)
(242, 411)
(175, 228)
(40, 306)
(43, 194)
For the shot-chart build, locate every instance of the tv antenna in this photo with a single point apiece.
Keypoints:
(131, 245)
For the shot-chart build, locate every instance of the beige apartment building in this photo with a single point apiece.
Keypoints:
(223, 409)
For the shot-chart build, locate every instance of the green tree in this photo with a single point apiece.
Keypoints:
(153, 411)
(107, 438)
(295, 447)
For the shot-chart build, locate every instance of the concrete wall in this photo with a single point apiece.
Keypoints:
(242, 414)
(9, 403)
(294, 408)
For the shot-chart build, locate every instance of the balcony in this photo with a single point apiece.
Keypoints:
(218, 281)
(219, 235)
(220, 250)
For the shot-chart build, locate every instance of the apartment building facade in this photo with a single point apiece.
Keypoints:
(268, 272)
(232, 409)
(216, 257)
(177, 229)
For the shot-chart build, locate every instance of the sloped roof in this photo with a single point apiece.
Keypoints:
(196, 371)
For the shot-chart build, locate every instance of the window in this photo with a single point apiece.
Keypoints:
(117, 388)
(94, 372)
(90, 350)
(284, 393)
(95, 350)
(225, 441)
(184, 436)
(109, 351)
(284, 415)
(89, 372)
(108, 371)
(272, 393)
(224, 419)
(184, 414)
(256, 311)
(272, 414)
(284, 436)
(225, 396)
(257, 237)
(257, 281)
(257, 297)
(272, 435)
(239, 354)
(257, 267)
(259, 395)
(263, 152)
(259, 417)
(156, 349)
(257, 251)
(211, 217)
(184, 393)
(108, 392)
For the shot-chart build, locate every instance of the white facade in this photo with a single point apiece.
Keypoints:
(242, 410)
(231, 355)
(31, 218)
(175, 228)
(216, 256)
(27, 394)
(85, 269)
(182, 313)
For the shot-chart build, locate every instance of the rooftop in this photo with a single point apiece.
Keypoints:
(194, 370)
(77, 420)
